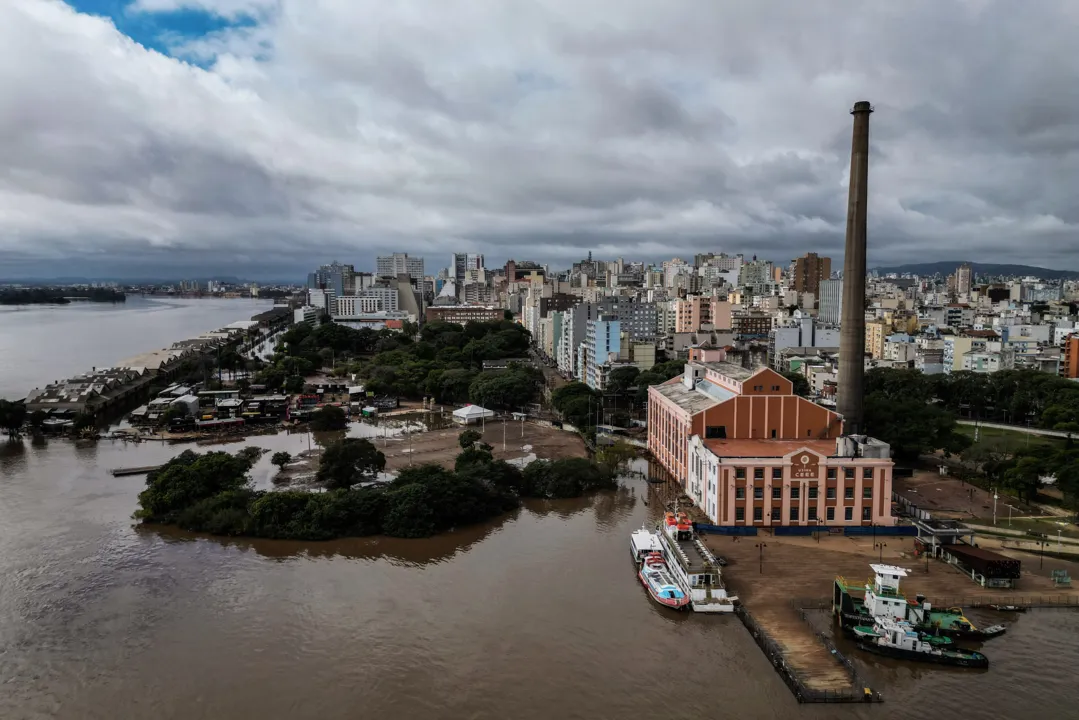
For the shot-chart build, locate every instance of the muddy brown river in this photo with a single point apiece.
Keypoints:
(536, 615)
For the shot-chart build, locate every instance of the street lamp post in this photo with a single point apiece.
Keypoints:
(820, 524)
(995, 498)
(1041, 555)
(880, 546)
(761, 547)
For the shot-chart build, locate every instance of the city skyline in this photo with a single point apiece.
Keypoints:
(204, 135)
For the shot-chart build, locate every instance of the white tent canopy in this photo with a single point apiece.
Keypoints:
(472, 414)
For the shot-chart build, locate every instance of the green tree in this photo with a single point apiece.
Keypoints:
(281, 459)
(911, 426)
(176, 411)
(187, 479)
(801, 384)
(37, 421)
(622, 380)
(83, 421)
(1024, 477)
(503, 389)
(468, 438)
(329, 418)
(294, 384)
(350, 461)
(12, 416)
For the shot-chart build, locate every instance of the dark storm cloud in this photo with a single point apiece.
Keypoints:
(343, 129)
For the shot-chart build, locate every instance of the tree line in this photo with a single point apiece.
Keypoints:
(441, 360)
(212, 492)
(58, 296)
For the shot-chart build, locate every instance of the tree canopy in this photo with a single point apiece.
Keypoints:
(348, 462)
(12, 416)
(212, 493)
(329, 418)
(899, 410)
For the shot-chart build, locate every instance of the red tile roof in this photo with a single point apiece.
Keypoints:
(768, 448)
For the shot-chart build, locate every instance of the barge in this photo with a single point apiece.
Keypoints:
(856, 607)
(898, 639)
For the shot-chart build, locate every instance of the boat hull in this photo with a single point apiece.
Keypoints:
(974, 660)
(849, 620)
(681, 603)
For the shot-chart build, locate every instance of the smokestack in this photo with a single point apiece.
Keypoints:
(852, 329)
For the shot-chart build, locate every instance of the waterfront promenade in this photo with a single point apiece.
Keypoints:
(789, 592)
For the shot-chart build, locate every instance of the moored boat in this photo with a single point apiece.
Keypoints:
(693, 565)
(656, 578)
(641, 543)
(882, 596)
(898, 638)
(1007, 608)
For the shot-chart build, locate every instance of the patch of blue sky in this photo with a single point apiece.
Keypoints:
(161, 31)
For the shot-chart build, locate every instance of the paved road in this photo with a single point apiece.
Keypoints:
(1016, 428)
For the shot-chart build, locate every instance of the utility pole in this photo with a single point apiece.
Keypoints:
(503, 433)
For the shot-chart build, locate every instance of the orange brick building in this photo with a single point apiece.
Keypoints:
(751, 452)
(1069, 360)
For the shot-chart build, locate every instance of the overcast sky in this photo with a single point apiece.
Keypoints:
(262, 137)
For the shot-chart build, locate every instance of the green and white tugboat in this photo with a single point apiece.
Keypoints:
(860, 606)
(898, 639)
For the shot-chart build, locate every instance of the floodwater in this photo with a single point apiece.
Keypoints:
(535, 615)
(40, 344)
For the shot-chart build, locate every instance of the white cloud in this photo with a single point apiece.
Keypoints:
(348, 127)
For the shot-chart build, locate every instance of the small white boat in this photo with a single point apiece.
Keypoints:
(642, 543)
(657, 579)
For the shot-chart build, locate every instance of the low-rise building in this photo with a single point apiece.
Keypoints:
(461, 314)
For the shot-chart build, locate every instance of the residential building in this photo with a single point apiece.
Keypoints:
(462, 263)
(386, 297)
(750, 452)
(307, 314)
(751, 325)
(351, 305)
(602, 339)
(802, 331)
(964, 278)
(831, 302)
(462, 314)
(1069, 362)
(875, 333)
(400, 264)
(809, 271)
(981, 361)
(338, 278)
(692, 313)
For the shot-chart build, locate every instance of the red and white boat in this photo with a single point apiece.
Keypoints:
(657, 579)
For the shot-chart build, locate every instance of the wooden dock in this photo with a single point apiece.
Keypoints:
(121, 472)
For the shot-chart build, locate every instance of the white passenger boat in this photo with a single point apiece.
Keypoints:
(641, 543)
(657, 580)
(693, 566)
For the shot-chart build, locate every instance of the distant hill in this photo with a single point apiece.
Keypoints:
(981, 269)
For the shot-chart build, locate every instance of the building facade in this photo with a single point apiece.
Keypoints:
(399, 264)
(809, 271)
(831, 302)
(461, 314)
(750, 452)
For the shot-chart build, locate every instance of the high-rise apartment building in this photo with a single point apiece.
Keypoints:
(461, 263)
(335, 277)
(809, 271)
(831, 301)
(964, 277)
(400, 264)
